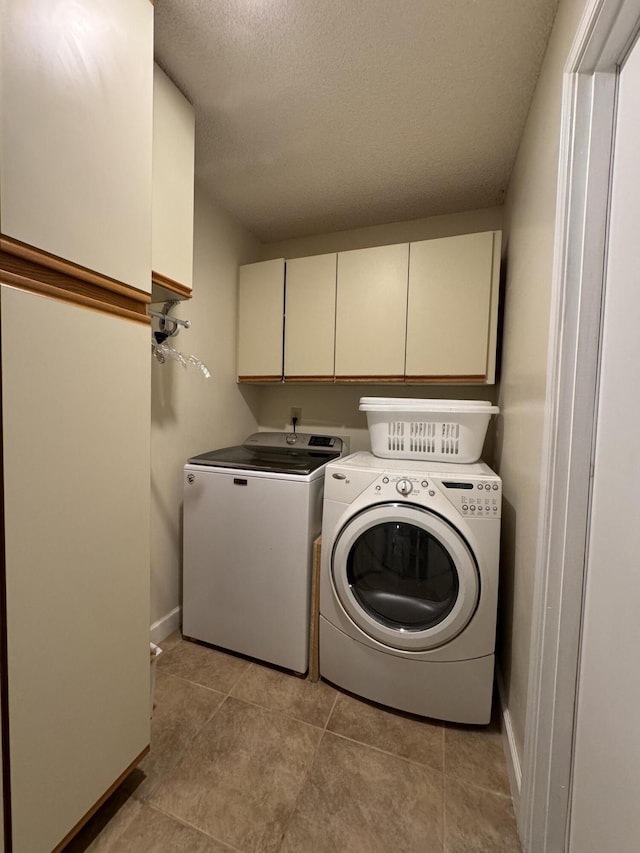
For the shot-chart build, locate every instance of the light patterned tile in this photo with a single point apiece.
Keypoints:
(410, 737)
(202, 665)
(150, 831)
(305, 700)
(146, 830)
(359, 800)
(474, 755)
(182, 709)
(478, 821)
(240, 778)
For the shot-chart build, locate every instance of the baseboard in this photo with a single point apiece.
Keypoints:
(161, 629)
(514, 768)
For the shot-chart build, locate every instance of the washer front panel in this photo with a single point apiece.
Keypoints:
(405, 576)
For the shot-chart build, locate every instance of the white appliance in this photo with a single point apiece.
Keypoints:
(409, 584)
(251, 514)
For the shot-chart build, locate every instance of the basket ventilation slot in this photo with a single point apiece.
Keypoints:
(424, 437)
(395, 436)
(450, 439)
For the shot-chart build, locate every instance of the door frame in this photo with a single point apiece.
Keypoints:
(604, 36)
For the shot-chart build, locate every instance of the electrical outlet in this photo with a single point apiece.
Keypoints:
(296, 413)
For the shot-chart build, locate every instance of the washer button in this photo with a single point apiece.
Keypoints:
(385, 479)
(472, 508)
(465, 507)
(480, 486)
(424, 484)
(495, 487)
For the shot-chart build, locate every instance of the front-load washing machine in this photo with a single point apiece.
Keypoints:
(409, 584)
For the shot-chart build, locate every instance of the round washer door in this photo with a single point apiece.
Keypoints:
(405, 576)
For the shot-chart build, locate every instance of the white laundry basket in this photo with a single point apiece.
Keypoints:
(435, 430)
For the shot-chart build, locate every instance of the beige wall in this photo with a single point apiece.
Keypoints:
(529, 226)
(191, 414)
(489, 219)
(334, 409)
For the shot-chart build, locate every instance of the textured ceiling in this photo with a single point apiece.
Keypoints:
(325, 115)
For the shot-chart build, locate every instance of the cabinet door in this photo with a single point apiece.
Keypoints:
(452, 310)
(310, 317)
(371, 313)
(77, 89)
(172, 212)
(260, 321)
(75, 407)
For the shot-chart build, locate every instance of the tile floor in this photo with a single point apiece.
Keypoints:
(247, 758)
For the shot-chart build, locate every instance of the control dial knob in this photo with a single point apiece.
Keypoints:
(405, 487)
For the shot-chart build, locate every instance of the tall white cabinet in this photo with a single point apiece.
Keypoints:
(172, 190)
(75, 164)
(75, 282)
(76, 464)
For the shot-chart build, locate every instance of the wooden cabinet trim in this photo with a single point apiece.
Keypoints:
(305, 378)
(370, 379)
(454, 379)
(100, 802)
(36, 271)
(182, 291)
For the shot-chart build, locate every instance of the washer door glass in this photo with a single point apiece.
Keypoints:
(405, 576)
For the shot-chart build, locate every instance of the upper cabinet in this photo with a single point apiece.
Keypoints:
(173, 189)
(310, 317)
(260, 316)
(77, 88)
(452, 309)
(423, 312)
(371, 314)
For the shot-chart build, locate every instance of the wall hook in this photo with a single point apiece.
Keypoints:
(168, 326)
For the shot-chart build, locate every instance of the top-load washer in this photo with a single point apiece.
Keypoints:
(409, 584)
(251, 514)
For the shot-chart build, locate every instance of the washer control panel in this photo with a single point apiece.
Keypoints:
(404, 486)
(475, 498)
